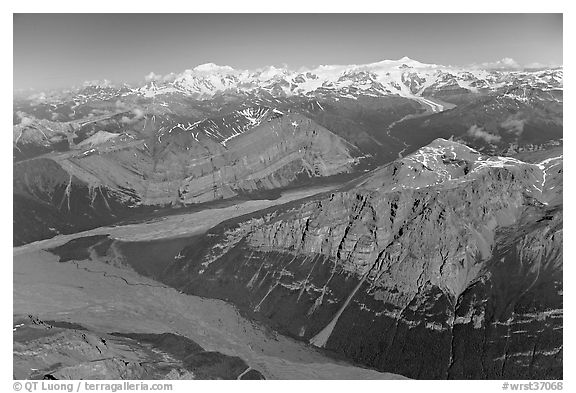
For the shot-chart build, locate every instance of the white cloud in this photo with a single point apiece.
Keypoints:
(98, 83)
(138, 113)
(152, 77)
(120, 105)
(37, 96)
(506, 63)
(479, 133)
(509, 64)
(169, 77)
(539, 66)
(513, 125)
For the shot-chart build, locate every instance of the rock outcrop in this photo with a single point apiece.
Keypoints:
(445, 264)
(64, 350)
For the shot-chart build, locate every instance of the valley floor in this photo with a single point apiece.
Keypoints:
(185, 224)
(107, 299)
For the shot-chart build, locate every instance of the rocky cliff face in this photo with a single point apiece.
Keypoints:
(445, 264)
(258, 149)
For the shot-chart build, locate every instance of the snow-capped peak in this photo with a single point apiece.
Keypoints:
(270, 72)
(405, 77)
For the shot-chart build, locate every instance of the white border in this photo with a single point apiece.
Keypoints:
(357, 6)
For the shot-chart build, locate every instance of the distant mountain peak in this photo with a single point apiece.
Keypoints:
(404, 77)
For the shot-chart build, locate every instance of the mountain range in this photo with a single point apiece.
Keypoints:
(406, 217)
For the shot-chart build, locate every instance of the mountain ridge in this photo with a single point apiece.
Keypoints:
(385, 77)
(471, 269)
(428, 266)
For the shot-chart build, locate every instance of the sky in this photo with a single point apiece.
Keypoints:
(61, 50)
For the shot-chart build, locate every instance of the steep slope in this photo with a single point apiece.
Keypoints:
(248, 151)
(97, 298)
(441, 253)
(64, 350)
